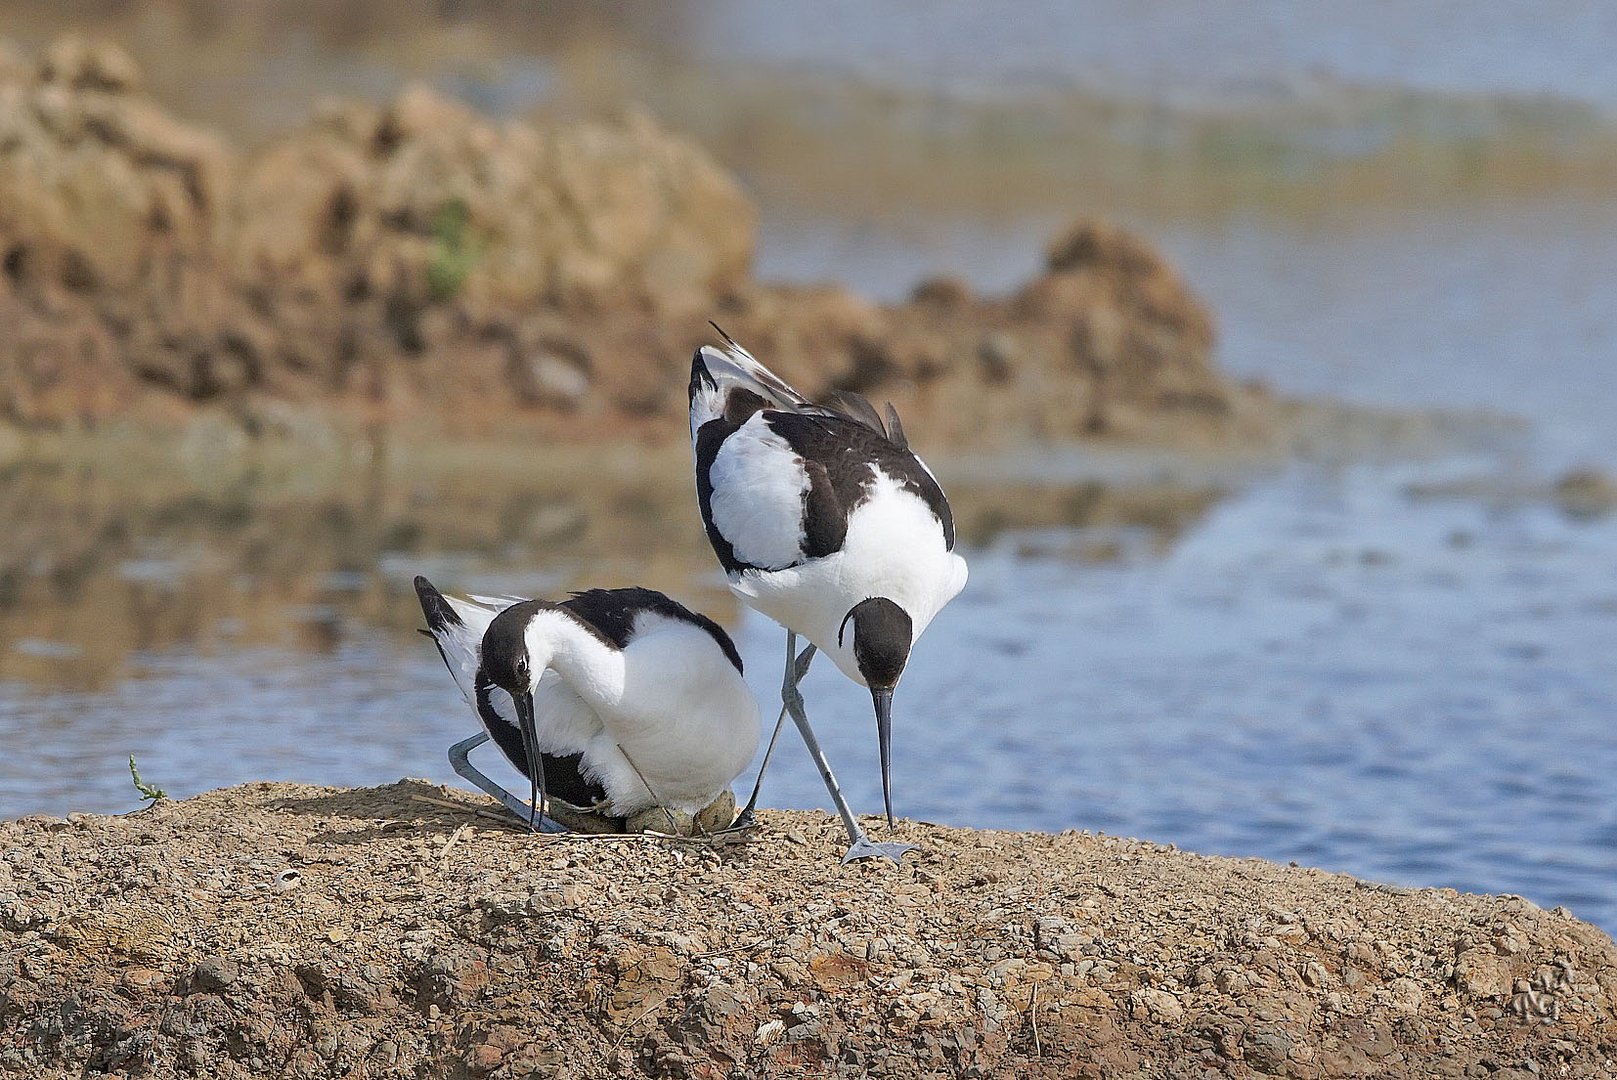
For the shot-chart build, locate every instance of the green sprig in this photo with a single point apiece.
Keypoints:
(147, 791)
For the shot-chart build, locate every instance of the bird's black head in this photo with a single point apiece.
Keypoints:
(505, 649)
(882, 633)
(506, 663)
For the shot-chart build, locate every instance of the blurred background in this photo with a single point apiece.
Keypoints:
(1284, 473)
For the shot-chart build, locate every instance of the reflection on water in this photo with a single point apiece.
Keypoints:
(106, 560)
(110, 562)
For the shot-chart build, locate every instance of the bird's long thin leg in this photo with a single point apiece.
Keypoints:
(460, 760)
(673, 826)
(860, 846)
(747, 818)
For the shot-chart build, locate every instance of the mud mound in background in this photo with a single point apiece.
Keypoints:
(375, 257)
(420, 263)
(285, 930)
(110, 214)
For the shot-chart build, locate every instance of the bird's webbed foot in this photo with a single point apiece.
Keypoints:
(864, 847)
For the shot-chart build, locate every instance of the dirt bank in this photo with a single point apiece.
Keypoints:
(419, 264)
(281, 930)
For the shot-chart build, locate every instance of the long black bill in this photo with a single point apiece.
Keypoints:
(884, 734)
(530, 747)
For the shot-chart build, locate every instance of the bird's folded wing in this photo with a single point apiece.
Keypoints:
(759, 487)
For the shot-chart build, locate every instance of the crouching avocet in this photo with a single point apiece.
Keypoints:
(827, 522)
(613, 701)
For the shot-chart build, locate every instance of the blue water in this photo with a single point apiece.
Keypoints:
(1192, 49)
(1324, 672)
(1504, 307)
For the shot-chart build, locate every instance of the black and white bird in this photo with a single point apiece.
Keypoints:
(613, 701)
(826, 521)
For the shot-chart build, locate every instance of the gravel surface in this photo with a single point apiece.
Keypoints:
(290, 931)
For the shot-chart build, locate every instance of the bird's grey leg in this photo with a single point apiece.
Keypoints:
(460, 760)
(747, 819)
(860, 846)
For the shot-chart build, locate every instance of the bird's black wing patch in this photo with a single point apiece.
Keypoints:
(825, 522)
(700, 377)
(608, 613)
(857, 407)
(895, 429)
(846, 449)
(709, 437)
(611, 614)
(565, 781)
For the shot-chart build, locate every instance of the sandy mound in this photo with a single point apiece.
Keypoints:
(419, 261)
(279, 930)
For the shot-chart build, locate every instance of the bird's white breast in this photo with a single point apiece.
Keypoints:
(894, 548)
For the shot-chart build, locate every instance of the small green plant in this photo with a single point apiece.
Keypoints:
(455, 251)
(147, 791)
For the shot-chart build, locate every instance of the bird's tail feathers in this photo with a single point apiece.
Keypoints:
(495, 604)
(457, 627)
(716, 370)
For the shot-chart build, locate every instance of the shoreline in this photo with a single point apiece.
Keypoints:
(1302, 429)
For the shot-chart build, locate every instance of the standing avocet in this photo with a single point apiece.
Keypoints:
(613, 701)
(825, 521)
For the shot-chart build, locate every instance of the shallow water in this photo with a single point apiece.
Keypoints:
(1189, 47)
(1504, 307)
